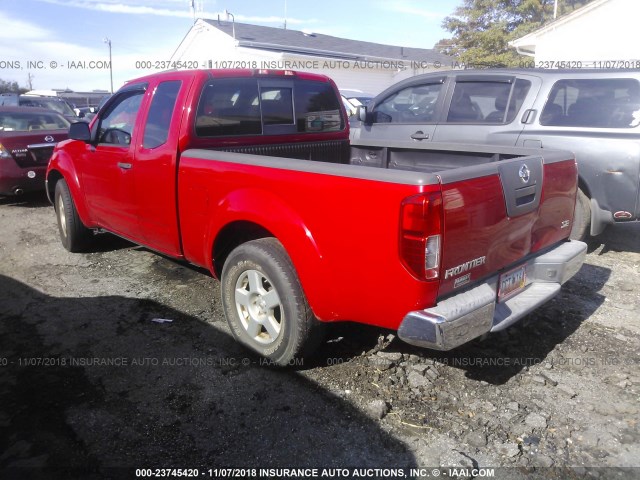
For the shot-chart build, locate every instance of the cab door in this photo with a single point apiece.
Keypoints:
(107, 165)
(408, 114)
(486, 108)
(156, 161)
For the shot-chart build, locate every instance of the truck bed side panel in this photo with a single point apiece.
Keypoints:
(339, 224)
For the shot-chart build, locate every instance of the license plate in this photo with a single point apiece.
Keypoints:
(511, 282)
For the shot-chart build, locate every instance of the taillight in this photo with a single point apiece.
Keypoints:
(421, 234)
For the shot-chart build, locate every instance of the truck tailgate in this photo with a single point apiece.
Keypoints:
(497, 214)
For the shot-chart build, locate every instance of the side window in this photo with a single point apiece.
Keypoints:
(317, 108)
(410, 105)
(116, 126)
(604, 103)
(163, 103)
(229, 106)
(487, 102)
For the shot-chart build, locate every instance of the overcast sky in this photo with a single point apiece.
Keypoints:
(61, 42)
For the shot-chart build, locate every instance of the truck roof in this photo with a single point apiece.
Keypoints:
(232, 72)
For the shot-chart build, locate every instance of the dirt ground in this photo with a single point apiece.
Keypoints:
(95, 382)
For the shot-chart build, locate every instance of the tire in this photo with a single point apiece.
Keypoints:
(264, 304)
(75, 237)
(581, 218)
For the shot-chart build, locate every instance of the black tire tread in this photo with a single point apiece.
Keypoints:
(309, 331)
(78, 236)
(581, 218)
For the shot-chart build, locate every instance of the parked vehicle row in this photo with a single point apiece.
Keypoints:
(56, 104)
(594, 113)
(251, 175)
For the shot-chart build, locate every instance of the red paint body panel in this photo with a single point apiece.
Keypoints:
(557, 204)
(341, 233)
(477, 225)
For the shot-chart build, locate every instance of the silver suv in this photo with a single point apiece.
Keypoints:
(594, 113)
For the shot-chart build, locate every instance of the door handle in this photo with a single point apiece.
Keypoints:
(528, 116)
(124, 166)
(420, 135)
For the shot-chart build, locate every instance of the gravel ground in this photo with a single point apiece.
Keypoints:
(94, 380)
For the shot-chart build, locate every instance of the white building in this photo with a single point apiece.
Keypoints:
(364, 66)
(599, 35)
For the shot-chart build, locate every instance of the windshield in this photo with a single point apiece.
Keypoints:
(56, 104)
(26, 121)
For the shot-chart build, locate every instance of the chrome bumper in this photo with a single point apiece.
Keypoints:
(474, 312)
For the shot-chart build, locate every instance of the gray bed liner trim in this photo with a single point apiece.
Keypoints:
(475, 171)
(550, 156)
(323, 168)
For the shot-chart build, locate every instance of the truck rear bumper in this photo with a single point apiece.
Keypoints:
(474, 312)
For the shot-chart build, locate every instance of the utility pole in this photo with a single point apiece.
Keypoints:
(285, 14)
(30, 77)
(555, 9)
(108, 42)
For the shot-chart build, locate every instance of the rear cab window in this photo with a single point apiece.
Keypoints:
(318, 108)
(269, 106)
(599, 103)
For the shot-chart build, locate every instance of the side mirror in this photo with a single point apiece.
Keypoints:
(80, 131)
(361, 113)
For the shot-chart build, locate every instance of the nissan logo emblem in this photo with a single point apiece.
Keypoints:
(524, 173)
(48, 138)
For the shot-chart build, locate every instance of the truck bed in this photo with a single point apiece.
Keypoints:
(435, 157)
(489, 211)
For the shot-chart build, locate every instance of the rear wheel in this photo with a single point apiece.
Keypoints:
(74, 235)
(581, 217)
(264, 304)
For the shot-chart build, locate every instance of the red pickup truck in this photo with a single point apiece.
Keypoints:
(250, 175)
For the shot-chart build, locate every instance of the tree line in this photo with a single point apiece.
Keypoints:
(10, 87)
(482, 29)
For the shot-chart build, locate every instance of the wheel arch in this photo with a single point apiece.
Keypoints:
(252, 214)
(232, 236)
(61, 167)
(600, 218)
(53, 177)
(584, 186)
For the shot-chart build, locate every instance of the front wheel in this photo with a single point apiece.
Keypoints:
(74, 235)
(264, 304)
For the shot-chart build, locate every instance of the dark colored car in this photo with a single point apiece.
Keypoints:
(27, 138)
